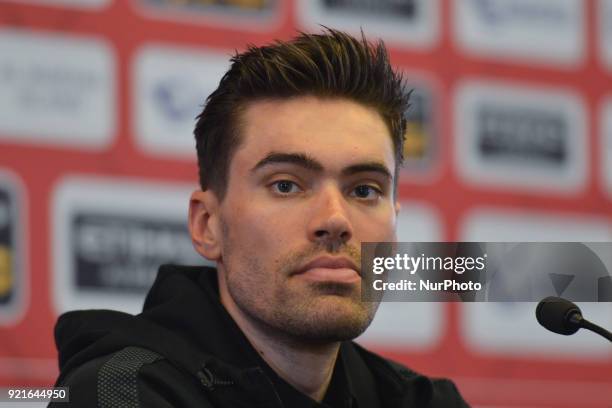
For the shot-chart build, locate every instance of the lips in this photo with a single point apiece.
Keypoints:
(330, 269)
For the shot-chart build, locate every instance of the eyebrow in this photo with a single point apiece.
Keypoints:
(374, 167)
(299, 159)
(309, 163)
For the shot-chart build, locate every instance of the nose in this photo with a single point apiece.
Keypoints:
(329, 224)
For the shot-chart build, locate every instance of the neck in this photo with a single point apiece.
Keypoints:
(307, 367)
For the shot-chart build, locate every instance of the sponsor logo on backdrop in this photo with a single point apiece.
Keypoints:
(110, 238)
(122, 253)
(93, 4)
(176, 99)
(235, 13)
(412, 23)
(606, 144)
(517, 137)
(12, 260)
(549, 31)
(7, 248)
(511, 328)
(394, 323)
(418, 222)
(420, 143)
(171, 86)
(489, 224)
(605, 32)
(517, 134)
(559, 270)
(67, 83)
(388, 8)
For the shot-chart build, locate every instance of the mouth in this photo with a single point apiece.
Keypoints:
(328, 269)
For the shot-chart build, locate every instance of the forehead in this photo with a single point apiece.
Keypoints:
(332, 130)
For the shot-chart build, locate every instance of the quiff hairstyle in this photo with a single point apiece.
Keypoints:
(328, 65)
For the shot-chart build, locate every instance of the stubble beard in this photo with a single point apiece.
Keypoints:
(316, 313)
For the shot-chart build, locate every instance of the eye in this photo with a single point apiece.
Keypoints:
(285, 187)
(365, 191)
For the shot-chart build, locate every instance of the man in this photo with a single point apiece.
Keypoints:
(298, 150)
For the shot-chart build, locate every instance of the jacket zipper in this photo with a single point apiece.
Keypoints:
(209, 381)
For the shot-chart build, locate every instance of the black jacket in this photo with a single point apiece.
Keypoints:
(181, 352)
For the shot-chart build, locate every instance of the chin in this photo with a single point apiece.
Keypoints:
(336, 319)
(334, 331)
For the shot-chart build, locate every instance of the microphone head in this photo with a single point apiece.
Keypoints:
(554, 313)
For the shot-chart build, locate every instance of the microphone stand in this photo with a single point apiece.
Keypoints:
(583, 323)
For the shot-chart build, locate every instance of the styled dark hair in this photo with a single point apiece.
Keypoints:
(329, 65)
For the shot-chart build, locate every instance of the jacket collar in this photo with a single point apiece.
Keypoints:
(396, 383)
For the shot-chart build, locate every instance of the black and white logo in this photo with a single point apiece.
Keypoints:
(522, 134)
(66, 82)
(118, 253)
(110, 237)
(515, 136)
(404, 23)
(13, 271)
(543, 31)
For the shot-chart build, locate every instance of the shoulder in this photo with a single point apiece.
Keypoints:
(444, 392)
(131, 377)
(439, 392)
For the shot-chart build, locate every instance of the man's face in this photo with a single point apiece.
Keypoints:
(311, 181)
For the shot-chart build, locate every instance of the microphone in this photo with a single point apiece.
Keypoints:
(564, 317)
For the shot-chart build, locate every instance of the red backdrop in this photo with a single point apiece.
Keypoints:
(81, 123)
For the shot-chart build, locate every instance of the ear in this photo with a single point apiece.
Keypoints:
(204, 225)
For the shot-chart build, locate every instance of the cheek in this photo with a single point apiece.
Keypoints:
(261, 231)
